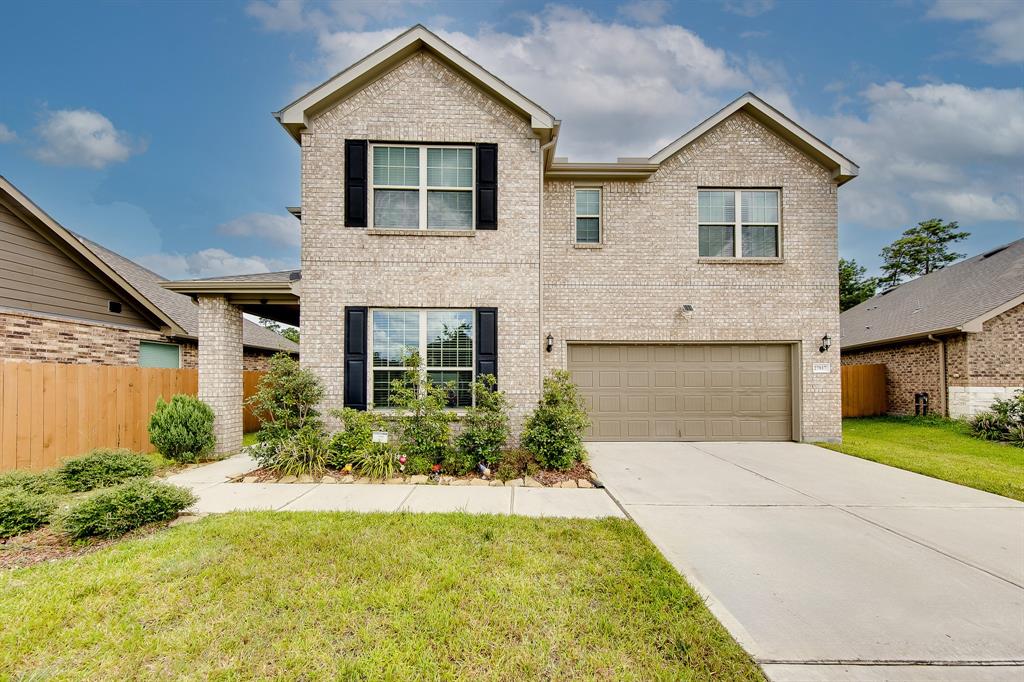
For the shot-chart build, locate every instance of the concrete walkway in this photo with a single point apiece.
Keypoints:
(830, 567)
(216, 495)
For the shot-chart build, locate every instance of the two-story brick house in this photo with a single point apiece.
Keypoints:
(688, 293)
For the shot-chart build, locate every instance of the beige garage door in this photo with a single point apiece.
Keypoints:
(685, 392)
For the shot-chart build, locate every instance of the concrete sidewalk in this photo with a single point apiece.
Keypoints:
(211, 484)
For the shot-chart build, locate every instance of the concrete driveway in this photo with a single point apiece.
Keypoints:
(829, 567)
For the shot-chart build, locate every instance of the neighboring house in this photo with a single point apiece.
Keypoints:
(955, 335)
(66, 299)
(688, 293)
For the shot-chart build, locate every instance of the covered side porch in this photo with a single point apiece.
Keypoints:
(222, 302)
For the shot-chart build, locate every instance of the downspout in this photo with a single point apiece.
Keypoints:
(942, 373)
(540, 262)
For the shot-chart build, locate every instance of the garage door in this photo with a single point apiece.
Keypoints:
(685, 392)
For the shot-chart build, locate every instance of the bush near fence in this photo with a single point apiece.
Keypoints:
(49, 411)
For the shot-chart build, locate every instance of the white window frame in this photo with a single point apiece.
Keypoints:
(599, 215)
(422, 350)
(422, 187)
(737, 235)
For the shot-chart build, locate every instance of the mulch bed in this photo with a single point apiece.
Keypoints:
(47, 544)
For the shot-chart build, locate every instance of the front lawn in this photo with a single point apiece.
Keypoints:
(938, 448)
(379, 596)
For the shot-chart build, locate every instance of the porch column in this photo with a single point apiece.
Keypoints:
(220, 369)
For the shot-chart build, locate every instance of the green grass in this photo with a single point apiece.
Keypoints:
(377, 596)
(937, 448)
(249, 439)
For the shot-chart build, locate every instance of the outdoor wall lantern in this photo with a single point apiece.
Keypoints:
(826, 343)
(550, 342)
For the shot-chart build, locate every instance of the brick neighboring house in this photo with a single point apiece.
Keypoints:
(956, 334)
(66, 299)
(687, 292)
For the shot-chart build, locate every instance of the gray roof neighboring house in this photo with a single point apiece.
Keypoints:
(957, 298)
(181, 308)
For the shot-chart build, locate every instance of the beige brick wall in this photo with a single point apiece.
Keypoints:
(630, 289)
(220, 368)
(995, 356)
(910, 368)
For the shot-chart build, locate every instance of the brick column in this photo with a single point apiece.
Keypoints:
(220, 369)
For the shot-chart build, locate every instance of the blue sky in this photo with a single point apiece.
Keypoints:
(147, 126)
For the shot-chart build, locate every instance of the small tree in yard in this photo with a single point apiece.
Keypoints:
(182, 429)
(485, 426)
(554, 432)
(425, 427)
(286, 400)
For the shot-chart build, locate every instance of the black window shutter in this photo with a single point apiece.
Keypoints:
(355, 183)
(487, 186)
(487, 341)
(355, 357)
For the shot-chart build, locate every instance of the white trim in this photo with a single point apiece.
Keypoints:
(422, 343)
(842, 168)
(577, 215)
(737, 224)
(294, 117)
(423, 187)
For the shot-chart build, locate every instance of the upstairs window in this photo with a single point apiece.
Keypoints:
(588, 216)
(422, 187)
(751, 232)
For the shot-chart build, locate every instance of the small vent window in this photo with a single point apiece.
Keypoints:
(114, 306)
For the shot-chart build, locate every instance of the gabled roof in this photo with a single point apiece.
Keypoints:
(957, 298)
(180, 307)
(295, 116)
(843, 169)
(63, 239)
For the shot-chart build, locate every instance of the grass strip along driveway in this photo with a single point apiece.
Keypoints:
(376, 596)
(938, 448)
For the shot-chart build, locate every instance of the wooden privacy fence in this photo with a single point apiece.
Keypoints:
(864, 390)
(49, 412)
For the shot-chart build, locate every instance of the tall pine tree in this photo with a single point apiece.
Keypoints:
(854, 287)
(922, 249)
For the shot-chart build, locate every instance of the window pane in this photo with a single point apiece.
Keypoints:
(462, 396)
(450, 210)
(759, 206)
(449, 167)
(716, 240)
(588, 230)
(396, 166)
(588, 202)
(760, 241)
(716, 206)
(382, 386)
(159, 355)
(396, 208)
(396, 335)
(450, 338)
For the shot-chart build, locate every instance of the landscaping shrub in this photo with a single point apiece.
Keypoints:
(301, 453)
(42, 483)
(286, 399)
(182, 429)
(103, 467)
(1004, 421)
(116, 511)
(377, 461)
(355, 436)
(554, 432)
(485, 426)
(516, 463)
(425, 424)
(22, 511)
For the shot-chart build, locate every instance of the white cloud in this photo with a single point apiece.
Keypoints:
(940, 149)
(1001, 25)
(80, 137)
(748, 8)
(274, 228)
(645, 11)
(209, 263)
(6, 134)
